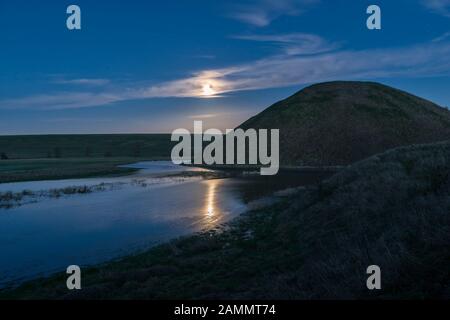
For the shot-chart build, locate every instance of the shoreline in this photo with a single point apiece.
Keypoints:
(234, 167)
(28, 170)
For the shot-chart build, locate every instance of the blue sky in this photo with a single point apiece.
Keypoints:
(147, 66)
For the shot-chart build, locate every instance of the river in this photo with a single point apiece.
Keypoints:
(46, 236)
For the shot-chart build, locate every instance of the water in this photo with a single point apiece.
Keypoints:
(47, 236)
(149, 169)
(44, 237)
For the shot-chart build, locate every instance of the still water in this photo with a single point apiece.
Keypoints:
(43, 237)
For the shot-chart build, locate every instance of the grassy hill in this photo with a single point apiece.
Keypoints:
(338, 123)
(391, 210)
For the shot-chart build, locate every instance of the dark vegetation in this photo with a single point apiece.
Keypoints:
(338, 123)
(46, 157)
(390, 210)
(11, 199)
(79, 146)
(45, 169)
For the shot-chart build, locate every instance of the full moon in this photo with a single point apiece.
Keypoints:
(208, 90)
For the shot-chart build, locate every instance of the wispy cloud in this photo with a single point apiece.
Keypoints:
(64, 100)
(205, 56)
(438, 6)
(204, 116)
(294, 43)
(262, 13)
(280, 70)
(442, 37)
(89, 82)
(204, 84)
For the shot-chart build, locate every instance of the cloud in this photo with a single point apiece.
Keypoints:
(204, 116)
(89, 82)
(294, 43)
(205, 56)
(262, 13)
(281, 70)
(438, 6)
(204, 84)
(65, 100)
(442, 37)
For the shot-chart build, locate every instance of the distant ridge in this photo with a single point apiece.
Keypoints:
(338, 123)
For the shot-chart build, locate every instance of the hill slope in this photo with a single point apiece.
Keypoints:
(338, 123)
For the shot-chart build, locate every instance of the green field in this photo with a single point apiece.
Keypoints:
(50, 169)
(26, 158)
(86, 146)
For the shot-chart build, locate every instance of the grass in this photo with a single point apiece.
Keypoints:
(52, 169)
(11, 199)
(42, 157)
(89, 145)
(316, 244)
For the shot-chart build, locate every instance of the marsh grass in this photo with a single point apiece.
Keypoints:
(10, 199)
(56, 169)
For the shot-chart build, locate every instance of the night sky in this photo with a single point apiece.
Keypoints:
(148, 66)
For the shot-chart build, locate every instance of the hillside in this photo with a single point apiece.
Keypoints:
(390, 210)
(338, 123)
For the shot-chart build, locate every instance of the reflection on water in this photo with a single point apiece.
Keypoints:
(211, 212)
